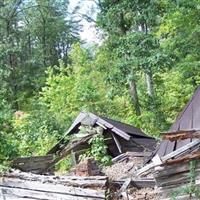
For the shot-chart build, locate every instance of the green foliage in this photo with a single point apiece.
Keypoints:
(7, 145)
(65, 164)
(33, 35)
(35, 132)
(79, 87)
(98, 150)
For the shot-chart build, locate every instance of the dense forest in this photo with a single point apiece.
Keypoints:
(143, 72)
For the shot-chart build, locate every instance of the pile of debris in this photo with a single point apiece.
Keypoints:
(119, 138)
(127, 145)
(141, 194)
(176, 172)
(178, 180)
(125, 165)
(178, 176)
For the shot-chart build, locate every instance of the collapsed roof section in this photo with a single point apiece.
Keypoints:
(188, 120)
(126, 137)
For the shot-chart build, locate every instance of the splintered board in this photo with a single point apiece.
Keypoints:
(26, 186)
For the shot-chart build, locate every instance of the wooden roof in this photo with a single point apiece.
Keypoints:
(120, 129)
(188, 119)
(131, 130)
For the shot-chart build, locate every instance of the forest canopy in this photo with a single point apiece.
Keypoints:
(143, 71)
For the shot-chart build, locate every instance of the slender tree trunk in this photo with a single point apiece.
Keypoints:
(149, 78)
(44, 42)
(149, 82)
(134, 96)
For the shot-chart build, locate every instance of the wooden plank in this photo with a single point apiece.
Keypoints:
(70, 146)
(102, 121)
(124, 187)
(32, 164)
(182, 135)
(121, 133)
(117, 143)
(47, 187)
(180, 178)
(26, 194)
(140, 183)
(28, 176)
(169, 170)
(13, 197)
(33, 158)
(173, 133)
(101, 125)
(78, 181)
(120, 157)
(180, 150)
(169, 156)
(145, 168)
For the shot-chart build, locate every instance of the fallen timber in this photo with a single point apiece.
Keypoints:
(29, 186)
(177, 174)
(137, 183)
(45, 164)
(34, 164)
(175, 179)
(181, 135)
(157, 162)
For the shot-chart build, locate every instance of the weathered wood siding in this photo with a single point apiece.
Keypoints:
(26, 186)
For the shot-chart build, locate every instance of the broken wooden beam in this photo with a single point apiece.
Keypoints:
(192, 156)
(181, 135)
(34, 164)
(119, 147)
(169, 156)
(72, 145)
(124, 187)
(138, 183)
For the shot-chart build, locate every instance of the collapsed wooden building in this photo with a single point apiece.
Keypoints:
(178, 176)
(122, 140)
(119, 138)
(174, 164)
(173, 161)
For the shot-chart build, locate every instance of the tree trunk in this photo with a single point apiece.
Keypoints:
(44, 42)
(134, 96)
(149, 82)
(149, 78)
